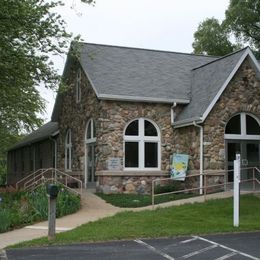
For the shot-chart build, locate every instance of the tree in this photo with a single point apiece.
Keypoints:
(30, 31)
(241, 24)
(243, 19)
(212, 38)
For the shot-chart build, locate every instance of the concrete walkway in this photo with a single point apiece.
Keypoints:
(93, 208)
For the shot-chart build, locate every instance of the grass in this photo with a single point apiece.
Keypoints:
(200, 218)
(135, 200)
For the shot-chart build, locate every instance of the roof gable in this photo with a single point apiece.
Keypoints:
(209, 82)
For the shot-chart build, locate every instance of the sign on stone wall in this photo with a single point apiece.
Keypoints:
(179, 166)
(114, 164)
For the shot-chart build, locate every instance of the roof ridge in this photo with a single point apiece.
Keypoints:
(152, 50)
(220, 58)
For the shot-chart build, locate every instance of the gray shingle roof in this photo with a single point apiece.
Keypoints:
(139, 73)
(40, 134)
(207, 80)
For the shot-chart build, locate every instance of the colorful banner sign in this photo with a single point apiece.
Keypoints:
(179, 166)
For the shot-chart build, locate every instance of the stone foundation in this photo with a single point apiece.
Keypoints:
(128, 183)
(131, 183)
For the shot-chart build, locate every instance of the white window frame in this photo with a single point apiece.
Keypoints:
(92, 138)
(68, 148)
(78, 86)
(141, 139)
(243, 135)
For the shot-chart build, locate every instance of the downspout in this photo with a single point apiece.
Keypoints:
(55, 152)
(201, 155)
(172, 112)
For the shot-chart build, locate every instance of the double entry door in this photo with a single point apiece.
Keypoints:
(249, 151)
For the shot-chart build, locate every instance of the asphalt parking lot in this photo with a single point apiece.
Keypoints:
(218, 247)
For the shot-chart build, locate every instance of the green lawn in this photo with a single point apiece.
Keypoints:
(135, 200)
(200, 218)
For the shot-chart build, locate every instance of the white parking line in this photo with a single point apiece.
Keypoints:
(198, 251)
(226, 256)
(159, 252)
(188, 240)
(228, 248)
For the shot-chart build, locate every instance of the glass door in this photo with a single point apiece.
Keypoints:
(249, 151)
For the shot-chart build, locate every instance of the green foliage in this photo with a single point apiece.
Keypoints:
(5, 222)
(215, 216)
(30, 31)
(212, 38)
(242, 20)
(7, 139)
(173, 186)
(21, 208)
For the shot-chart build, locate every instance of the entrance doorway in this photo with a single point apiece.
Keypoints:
(91, 177)
(90, 155)
(242, 135)
(249, 151)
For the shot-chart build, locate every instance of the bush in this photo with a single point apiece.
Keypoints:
(169, 187)
(21, 208)
(5, 222)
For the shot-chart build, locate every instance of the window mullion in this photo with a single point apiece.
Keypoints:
(243, 124)
(141, 144)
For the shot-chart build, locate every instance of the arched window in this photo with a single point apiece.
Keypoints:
(243, 126)
(90, 135)
(78, 86)
(142, 145)
(68, 147)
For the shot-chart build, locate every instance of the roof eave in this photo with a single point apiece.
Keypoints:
(142, 99)
(187, 122)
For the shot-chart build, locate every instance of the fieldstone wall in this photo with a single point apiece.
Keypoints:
(127, 184)
(75, 116)
(115, 116)
(241, 95)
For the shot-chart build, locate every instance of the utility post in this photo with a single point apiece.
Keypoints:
(236, 191)
(52, 193)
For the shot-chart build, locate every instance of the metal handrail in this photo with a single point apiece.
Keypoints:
(36, 176)
(71, 177)
(26, 177)
(40, 177)
(204, 187)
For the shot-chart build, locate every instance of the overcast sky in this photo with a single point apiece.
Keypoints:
(152, 24)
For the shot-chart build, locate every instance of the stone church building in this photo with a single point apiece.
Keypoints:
(125, 111)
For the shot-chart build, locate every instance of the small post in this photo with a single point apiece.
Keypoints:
(153, 193)
(236, 191)
(52, 193)
(205, 187)
(254, 179)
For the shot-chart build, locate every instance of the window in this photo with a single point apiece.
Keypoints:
(78, 86)
(90, 132)
(243, 126)
(142, 145)
(68, 147)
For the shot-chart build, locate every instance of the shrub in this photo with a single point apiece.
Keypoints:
(20, 208)
(169, 187)
(5, 222)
